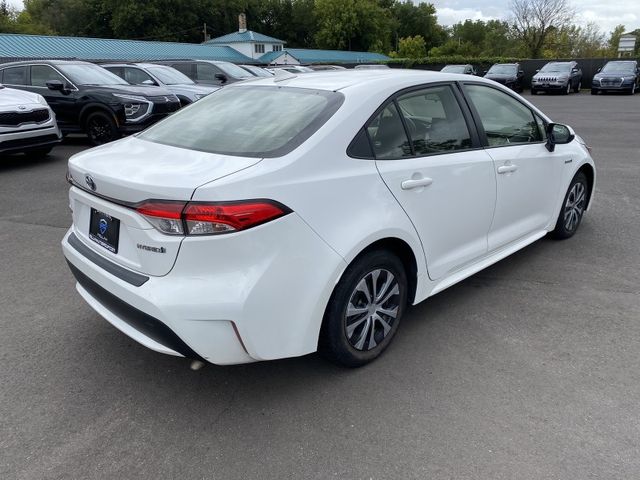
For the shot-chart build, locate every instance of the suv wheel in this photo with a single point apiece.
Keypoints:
(365, 309)
(632, 90)
(578, 87)
(101, 128)
(567, 90)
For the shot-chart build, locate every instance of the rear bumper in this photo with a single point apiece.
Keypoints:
(244, 297)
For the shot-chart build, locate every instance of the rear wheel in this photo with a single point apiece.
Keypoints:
(575, 202)
(101, 128)
(365, 309)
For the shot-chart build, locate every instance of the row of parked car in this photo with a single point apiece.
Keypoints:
(562, 77)
(42, 100)
(47, 99)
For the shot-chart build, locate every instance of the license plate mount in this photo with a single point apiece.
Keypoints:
(104, 230)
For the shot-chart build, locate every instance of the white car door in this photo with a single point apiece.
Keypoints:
(528, 175)
(438, 173)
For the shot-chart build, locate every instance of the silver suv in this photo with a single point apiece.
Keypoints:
(176, 82)
(27, 123)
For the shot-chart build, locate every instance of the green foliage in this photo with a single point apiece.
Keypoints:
(471, 38)
(411, 47)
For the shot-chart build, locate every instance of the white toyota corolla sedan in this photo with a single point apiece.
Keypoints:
(304, 213)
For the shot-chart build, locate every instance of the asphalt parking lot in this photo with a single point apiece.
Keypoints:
(527, 370)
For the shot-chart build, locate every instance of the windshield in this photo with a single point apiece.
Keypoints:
(233, 70)
(628, 67)
(248, 121)
(556, 68)
(454, 69)
(503, 69)
(89, 74)
(170, 76)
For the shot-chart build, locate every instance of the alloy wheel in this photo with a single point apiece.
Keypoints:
(574, 206)
(99, 130)
(372, 309)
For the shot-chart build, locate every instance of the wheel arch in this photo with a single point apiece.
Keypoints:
(95, 107)
(404, 252)
(590, 173)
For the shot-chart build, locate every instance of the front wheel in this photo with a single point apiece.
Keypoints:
(632, 90)
(575, 202)
(101, 128)
(578, 87)
(365, 309)
(567, 90)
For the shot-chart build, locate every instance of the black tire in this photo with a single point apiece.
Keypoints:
(534, 91)
(39, 152)
(184, 102)
(578, 87)
(572, 207)
(567, 90)
(632, 90)
(101, 128)
(594, 91)
(335, 344)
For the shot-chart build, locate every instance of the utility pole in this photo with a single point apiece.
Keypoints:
(204, 31)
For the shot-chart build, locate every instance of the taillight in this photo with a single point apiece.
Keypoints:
(199, 218)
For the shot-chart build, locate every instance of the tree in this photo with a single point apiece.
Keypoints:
(533, 20)
(411, 19)
(353, 25)
(412, 47)
(614, 40)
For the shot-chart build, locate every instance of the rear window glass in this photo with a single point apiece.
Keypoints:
(248, 121)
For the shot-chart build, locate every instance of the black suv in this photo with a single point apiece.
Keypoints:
(87, 98)
(509, 74)
(562, 77)
(617, 76)
(210, 72)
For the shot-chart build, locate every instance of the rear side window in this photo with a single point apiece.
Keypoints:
(388, 136)
(15, 75)
(41, 74)
(185, 68)
(248, 121)
(135, 76)
(434, 120)
(206, 71)
(505, 120)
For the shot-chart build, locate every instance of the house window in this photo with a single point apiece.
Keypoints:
(259, 47)
(277, 48)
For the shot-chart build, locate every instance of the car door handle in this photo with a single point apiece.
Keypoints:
(507, 168)
(416, 183)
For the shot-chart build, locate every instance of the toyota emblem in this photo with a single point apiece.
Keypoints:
(90, 183)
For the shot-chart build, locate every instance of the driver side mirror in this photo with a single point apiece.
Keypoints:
(221, 77)
(558, 134)
(55, 85)
(600, 68)
(520, 72)
(148, 82)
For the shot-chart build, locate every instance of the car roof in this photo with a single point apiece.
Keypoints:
(335, 80)
(46, 62)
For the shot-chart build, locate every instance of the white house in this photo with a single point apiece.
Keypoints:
(249, 43)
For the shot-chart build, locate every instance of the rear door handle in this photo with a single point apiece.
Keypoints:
(507, 168)
(416, 183)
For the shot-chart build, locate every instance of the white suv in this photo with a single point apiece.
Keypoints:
(27, 123)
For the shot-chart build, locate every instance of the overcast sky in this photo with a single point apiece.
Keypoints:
(606, 13)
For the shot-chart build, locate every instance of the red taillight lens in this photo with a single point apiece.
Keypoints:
(165, 216)
(212, 218)
(178, 218)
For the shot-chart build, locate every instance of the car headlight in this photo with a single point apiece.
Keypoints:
(135, 107)
(42, 101)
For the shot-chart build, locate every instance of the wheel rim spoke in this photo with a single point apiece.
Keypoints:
(372, 309)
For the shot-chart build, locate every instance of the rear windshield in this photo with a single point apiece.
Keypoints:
(248, 121)
(503, 69)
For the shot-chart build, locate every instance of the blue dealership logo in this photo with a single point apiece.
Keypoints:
(103, 226)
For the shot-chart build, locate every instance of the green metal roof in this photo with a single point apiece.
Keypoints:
(243, 37)
(307, 55)
(13, 46)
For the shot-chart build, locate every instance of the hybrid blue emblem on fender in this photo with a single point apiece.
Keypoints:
(103, 226)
